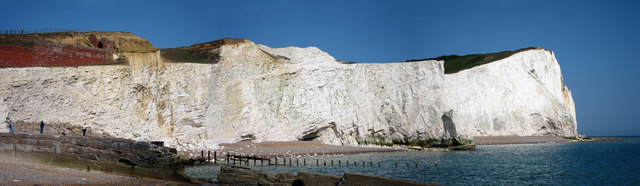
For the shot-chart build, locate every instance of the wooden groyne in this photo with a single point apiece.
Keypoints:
(242, 160)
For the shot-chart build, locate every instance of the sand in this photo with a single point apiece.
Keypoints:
(497, 140)
(35, 174)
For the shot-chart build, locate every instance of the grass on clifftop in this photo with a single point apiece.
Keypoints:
(16, 40)
(455, 63)
(189, 55)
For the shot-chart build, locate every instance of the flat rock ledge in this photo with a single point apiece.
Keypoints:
(233, 175)
(104, 154)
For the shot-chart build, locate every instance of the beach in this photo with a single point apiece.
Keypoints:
(26, 173)
(559, 163)
(312, 148)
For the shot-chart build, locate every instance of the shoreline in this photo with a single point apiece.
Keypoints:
(30, 173)
(504, 140)
(312, 148)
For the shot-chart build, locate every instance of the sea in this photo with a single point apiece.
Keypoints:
(574, 163)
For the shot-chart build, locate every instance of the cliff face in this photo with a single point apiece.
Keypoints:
(523, 94)
(253, 92)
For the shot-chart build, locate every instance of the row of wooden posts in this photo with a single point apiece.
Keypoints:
(231, 159)
(33, 31)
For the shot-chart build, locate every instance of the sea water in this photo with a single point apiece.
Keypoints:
(576, 163)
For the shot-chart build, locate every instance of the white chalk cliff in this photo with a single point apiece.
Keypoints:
(259, 93)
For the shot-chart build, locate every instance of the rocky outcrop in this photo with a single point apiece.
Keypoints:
(253, 92)
(93, 153)
(231, 175)
(362, 179)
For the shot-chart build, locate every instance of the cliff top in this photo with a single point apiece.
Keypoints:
(199, 53)
(455, 63)
(202, 52)
(216, 44)
(124, 41)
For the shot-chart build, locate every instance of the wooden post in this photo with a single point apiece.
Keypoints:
(324, 162)
(276, 160)
(416, 164)
(208, 155)
(297, 164)
(331, 162)
(396, 164)
(202, 154)
(215, 157)
(317, 162)
(347, 162)
(339, 162)
(234, 159)
(304, 162)
(363, 163)
(261, 161)
(378, 164)
(370, 164)
(289, 161)
(407, 164)
(227, 158)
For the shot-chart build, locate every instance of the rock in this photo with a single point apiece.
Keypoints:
(83, 152)
(462, 148)
(311, 179)
(233, 175)
(361, 179)
(285, 177)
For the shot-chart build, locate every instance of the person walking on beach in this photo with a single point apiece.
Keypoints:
(41, 126)
(10, 126)
(84, 129)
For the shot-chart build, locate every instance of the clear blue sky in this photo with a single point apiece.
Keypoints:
(596, 42)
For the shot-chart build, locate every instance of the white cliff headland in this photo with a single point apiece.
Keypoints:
(234, 90)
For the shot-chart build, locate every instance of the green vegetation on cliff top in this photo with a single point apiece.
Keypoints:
(455, 63)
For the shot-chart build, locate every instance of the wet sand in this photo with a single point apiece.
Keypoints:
(497, 140)
(296, 148)
(35, 174)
